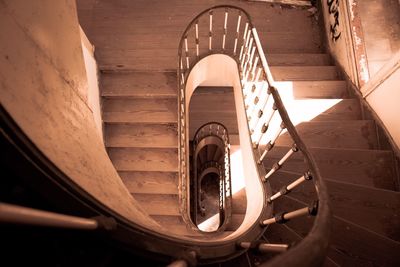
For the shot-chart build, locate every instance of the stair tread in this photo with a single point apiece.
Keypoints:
(173, 223)
(375, 209)
(144, 159)
(212, 104)
(350, 243)
(158, 204)
(298, 59)
(310, 73)
(140, 110)
(335, 89)
(322, 109)
(295, 42)
(358, 134)
(150, 182)
(139, 84)
(374, 168)
(141, 135)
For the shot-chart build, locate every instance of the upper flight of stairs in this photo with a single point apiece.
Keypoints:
(138, 87)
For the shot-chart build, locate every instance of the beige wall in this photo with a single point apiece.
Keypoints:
(93, 93)
(43, 86)
(382, 92)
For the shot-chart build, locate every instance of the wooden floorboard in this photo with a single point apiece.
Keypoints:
(158, 204)
(304, 73)
(373, 168)
(139, 84)
(375, 209)
(358, 134)
(144, 159)
(140, 110)
(150, 182)
(314, 89)
(141, 135)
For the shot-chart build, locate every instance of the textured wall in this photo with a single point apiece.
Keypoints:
(43, 86)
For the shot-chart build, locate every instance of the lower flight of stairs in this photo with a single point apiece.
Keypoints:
(140, 126)
(140, 123)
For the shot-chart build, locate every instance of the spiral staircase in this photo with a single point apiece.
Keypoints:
(328, 178)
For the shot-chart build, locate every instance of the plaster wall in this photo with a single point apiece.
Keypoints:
(93, 92)
(383, 95)
(43, 86)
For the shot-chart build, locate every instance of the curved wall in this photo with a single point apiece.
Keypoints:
(44, 89)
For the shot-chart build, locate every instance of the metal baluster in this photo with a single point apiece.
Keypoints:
(225, 29)
(256, 94)
(237, 33)
(247, 53)
(246, 49)
(187, 53)
(286, 189)
(284, 217)
(210, 32)
(253, 71)
(244, 41)
(197, 39)
(271, 144)
(261, 110)
(279, 164)
(265, 126)
(249, 62)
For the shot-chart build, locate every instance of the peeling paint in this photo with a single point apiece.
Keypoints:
(364, 72)
(358, 40)
(352, 5)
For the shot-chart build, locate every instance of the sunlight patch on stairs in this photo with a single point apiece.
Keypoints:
(310, 108)
(210, 225)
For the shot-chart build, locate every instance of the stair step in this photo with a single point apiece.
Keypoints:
(213, 104)
(158, 204)
(335, 89)
(150, 182)
(281, 234)
(351, 244)
(305, 73)
(298, 59)
(294, 42)
(323, 110)
(140, 110)
(236, 221)
(234, 139)
(141, 135)
(173, 223)
(373, 168)
(357, 134)
(139, 84)
(239, 202)
(144, 159)
(212, 99)
(198, 119)
(375, 209)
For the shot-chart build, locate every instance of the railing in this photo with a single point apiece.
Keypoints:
(213, 133)
(14, 214)
(228, 30)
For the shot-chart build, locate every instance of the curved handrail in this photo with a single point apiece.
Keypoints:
(218, 134)
(258, 85)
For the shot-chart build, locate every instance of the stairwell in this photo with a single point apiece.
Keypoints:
(137, 59)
